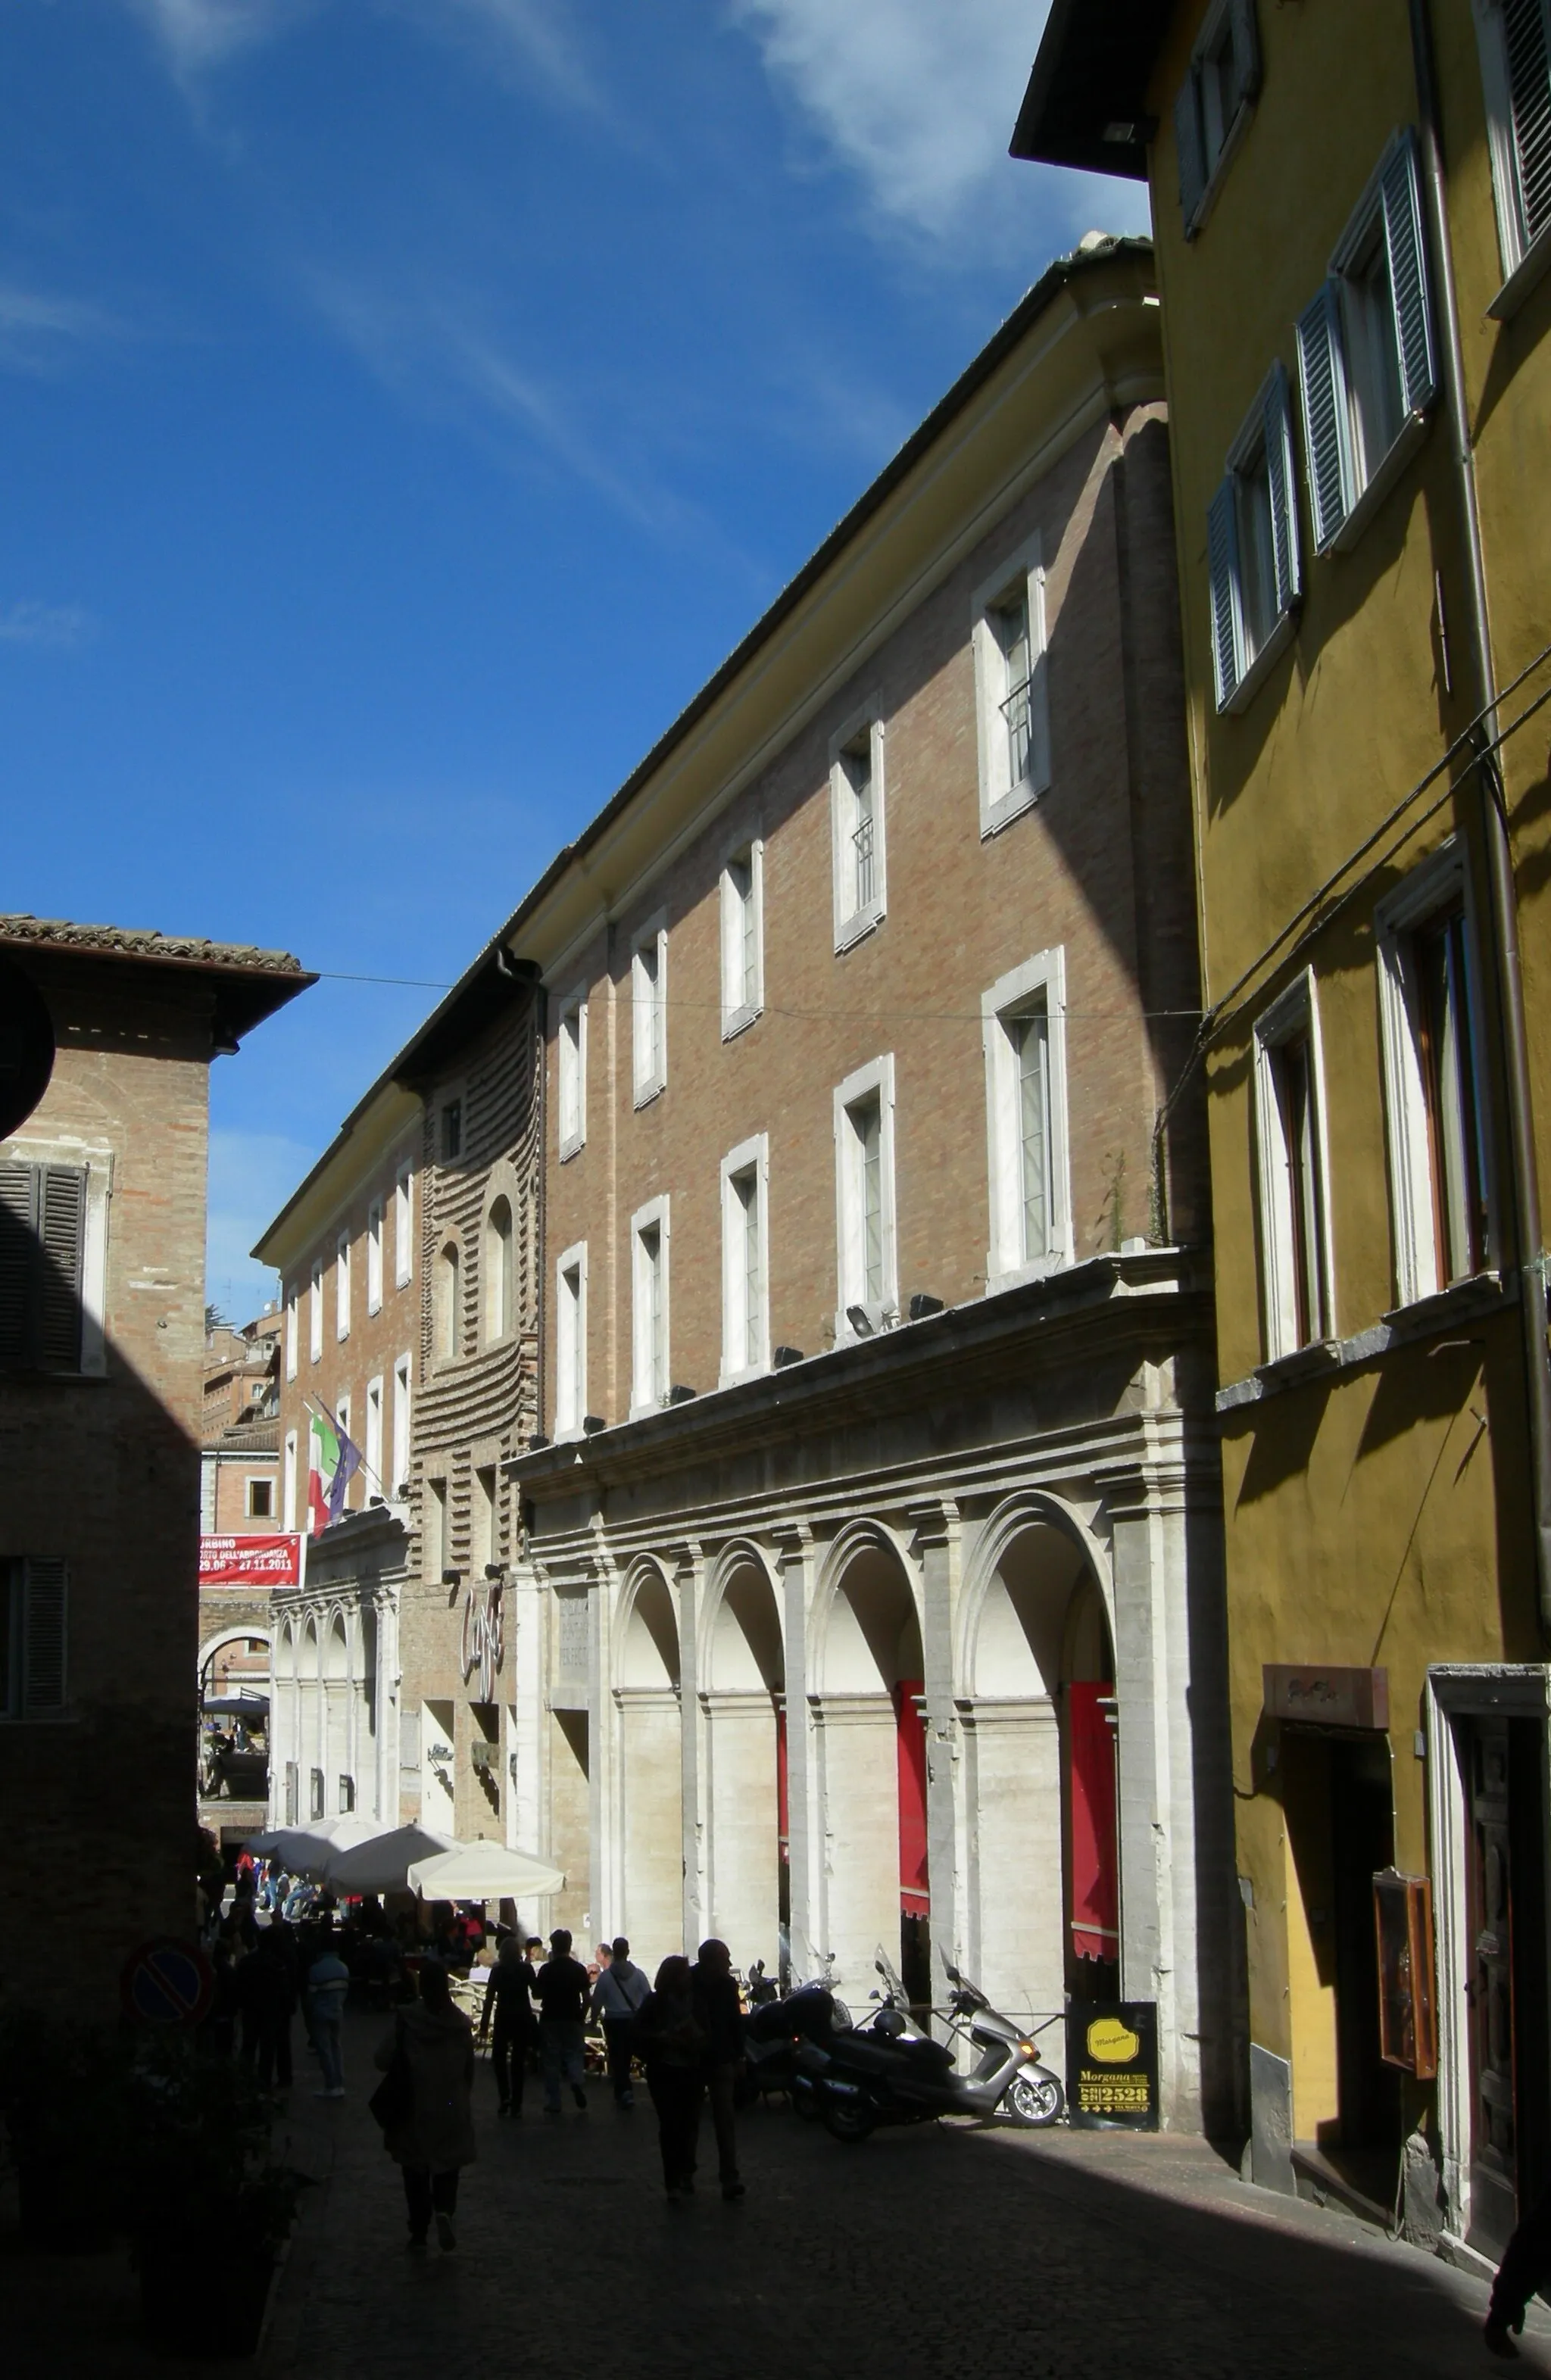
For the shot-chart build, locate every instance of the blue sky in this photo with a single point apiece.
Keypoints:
(407, 404)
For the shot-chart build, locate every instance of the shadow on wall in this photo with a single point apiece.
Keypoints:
(99, 1637)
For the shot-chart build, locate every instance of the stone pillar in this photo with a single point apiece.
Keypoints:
(935, 1548)
(1015, 1899)
(650, 1806)
(858, 1794)
(689, 1587)
(795, 1554)
(742, 1863)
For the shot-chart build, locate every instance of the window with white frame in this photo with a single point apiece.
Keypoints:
(571, 1073)
(374, 1257)
(498, 1283)
(342, 1286)
(1024, 1034)
(868, 1297)
(291, 1333)
(1365, 359)
(858, 827)
(288, 1482)
(1433, 1104)
(1011, 695)
(743, 937)
(33, 1637)
(746, 1330)
(1516, 74)
(54, 1217)
(404, 1225)
(1294, 1209)
(1213, 103)
(570, 1390)
(1251, 536)
(401, 1427)
(648, 995)
(648, 1279)
(371, 1452)
(315, 1312)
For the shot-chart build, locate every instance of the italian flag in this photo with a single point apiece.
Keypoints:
(323, 1464)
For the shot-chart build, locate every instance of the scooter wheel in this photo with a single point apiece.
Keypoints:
(1033, 2100)
(804, 2104)
(850, 2119)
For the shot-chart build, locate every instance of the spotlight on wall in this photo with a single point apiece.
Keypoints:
(922, 1303)
(452, 1578)
(680, 1395)
(784, 1355)
(495, 1570)
(593, 1423)
(860, 1320)
(537, 1442)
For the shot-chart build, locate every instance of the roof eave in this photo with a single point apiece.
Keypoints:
(1086, 102)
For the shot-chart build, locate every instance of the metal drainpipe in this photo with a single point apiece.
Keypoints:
(541, 1007)
(1499, 857)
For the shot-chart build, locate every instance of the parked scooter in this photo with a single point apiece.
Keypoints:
(882, 2073)
(774, 2030)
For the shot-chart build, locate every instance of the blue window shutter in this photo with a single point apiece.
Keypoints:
(1277, 417)
(1246, 53)
(1222, 555)
(1401, 188)
(1320, 376)
(1187, 140)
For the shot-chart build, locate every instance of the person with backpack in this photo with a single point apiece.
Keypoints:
(618, 1998)
(425, 2104)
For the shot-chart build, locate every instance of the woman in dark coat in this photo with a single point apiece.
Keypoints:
(434, 2139)
(671, 2040)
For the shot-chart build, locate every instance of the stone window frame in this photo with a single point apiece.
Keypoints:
(855, 918)
(1008, 998)
(648, 1011)
(742, 1000)
(876, 1079)
(1001, 801)
(571, 1077)
(571, 1266)
(647, 1393)
(750, 1156)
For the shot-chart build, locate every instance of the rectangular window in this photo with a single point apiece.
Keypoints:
(864, 1201)
(648, 988)
(401, 1430)
(371, 1452)
(856, 816)
(342, 1286)
(1437, 1139)
(484, 1547)
(291, 1298)
(744, 1285)
(648, 1274)
(451, 1131)
(260, 1500)
(1366, 357)
(404, 1226)
(43, 1247)
(1023, 1036)
(436, 1552)
(1251, 537)
(1213, 103)
(571, 1070)
(570, 1341)
(288, 1482)
(1011, 695)
(1516, 73)
(315, 1312)
(1295, 1227)
(33, 1635)
(374, 1257)
(742, 962)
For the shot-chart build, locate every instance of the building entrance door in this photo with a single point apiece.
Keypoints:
(916, 1902)
(1504, 1763)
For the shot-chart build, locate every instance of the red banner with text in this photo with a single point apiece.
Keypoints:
(251, 1562)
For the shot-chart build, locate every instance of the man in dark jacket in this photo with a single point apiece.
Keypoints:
(719, 2017)
(266, 1994)
(561, 1988)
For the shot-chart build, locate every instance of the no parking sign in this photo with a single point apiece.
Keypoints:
(166, 1982)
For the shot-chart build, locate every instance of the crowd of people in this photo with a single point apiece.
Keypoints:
(282, 1948)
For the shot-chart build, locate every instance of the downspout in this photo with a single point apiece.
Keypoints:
(1494, 817)
(541, 1006)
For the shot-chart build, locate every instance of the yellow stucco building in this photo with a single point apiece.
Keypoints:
(1353, 214)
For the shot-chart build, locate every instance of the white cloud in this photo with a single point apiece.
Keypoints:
(200, 34)
(54, 628)
(37, 329)
(918, 99)
(524, 37)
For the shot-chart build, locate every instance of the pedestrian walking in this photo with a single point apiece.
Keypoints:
(428, 2057)
(673, 2046)
(562, 1990)
(509, 2021)
(266, 1994)
(719, 2017)
(328, 1986)
(618, 1996)
(1526, 2263)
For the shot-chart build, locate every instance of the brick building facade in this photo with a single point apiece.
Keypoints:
(101, 1340)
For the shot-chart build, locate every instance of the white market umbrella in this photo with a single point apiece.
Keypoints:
(305, 1850)
(382, 1864)
(483, 1872)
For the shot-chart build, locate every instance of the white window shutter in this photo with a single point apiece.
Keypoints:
(1191, 156)
(1320, 376)
(1284, 489)
(1529, 80)
(1246, 53)
(1222, 554)
(42, 1658)
(1401, 188)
